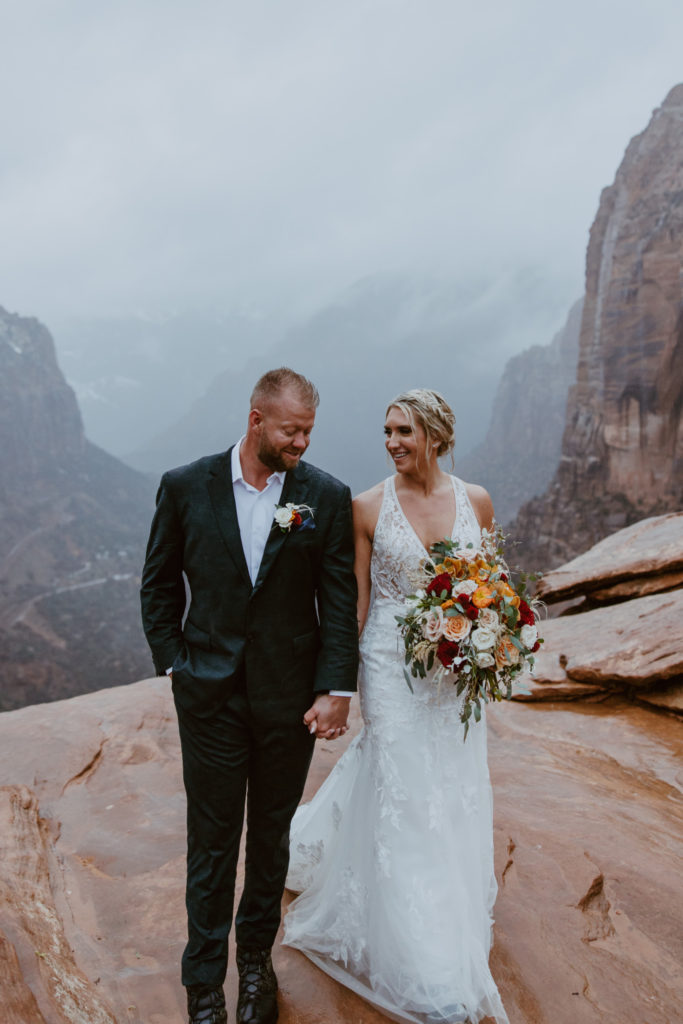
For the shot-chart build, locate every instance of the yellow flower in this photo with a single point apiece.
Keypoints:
(447, 604)
(483, 596)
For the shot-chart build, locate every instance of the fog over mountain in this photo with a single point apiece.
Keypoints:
(384, 335)
(135, 375)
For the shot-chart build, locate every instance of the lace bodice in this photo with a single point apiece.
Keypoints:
(398, 553)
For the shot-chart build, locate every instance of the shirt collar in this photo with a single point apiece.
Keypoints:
(237, 474)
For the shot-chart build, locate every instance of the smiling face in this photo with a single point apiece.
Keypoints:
(283, 430)
(405, 445)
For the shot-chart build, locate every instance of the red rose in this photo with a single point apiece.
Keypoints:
(296, 519)
(439, 583)
(536, 647)
(472, 612)
(526, 616)
(446, 651)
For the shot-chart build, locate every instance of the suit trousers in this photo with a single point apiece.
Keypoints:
(229, 759)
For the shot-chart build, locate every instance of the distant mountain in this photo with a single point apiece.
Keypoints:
(386, 334)
(133, 375)
(519, 455)
(622, 449)
(73, 523)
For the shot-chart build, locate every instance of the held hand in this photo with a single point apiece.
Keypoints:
(328, 716)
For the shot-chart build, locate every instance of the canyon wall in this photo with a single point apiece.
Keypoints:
(622, 449)
(73, 522)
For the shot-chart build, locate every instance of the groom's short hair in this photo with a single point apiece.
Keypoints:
(272, 383)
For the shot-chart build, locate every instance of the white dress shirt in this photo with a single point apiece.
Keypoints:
(255, 511)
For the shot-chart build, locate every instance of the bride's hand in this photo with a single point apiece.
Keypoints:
(328, 716)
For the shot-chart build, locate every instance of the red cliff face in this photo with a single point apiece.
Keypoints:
(622, 450)
(531, 395)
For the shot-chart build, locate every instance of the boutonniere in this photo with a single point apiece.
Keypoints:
(294, 517)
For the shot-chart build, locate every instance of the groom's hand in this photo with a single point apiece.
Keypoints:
(328, 716)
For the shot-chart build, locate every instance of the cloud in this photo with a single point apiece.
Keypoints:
(163, 155)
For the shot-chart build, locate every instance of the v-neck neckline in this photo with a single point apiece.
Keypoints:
(408, 522)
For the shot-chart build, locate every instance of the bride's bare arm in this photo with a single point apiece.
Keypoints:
(365, 513)
(482, 505)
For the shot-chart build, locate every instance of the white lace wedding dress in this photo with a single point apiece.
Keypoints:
(394, 855)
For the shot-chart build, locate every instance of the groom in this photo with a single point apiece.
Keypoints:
(264, 661)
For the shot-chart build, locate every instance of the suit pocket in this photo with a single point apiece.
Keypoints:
(306, 642)
(196, 637)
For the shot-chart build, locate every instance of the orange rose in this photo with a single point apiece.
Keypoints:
(447, 604)
(482, 596)
(506, 653)
(456, 627)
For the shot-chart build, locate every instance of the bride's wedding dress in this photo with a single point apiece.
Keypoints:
(394, 856)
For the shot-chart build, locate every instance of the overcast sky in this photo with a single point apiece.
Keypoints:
(159, 155)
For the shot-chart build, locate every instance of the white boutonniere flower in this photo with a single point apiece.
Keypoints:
(294, 517)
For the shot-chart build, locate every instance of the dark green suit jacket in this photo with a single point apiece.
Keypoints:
(292, 633)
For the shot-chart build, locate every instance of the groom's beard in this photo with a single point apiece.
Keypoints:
(276, 459)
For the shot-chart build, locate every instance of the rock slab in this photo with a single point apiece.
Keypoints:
(634, 646)
(588, 816)
(645, 556)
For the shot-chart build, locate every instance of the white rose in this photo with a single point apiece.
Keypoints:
(483, 639)
(468, 587)
(467, 554)
(485, 660)
(528, 635)
(432, 625)
(283, 516)
(488, 619)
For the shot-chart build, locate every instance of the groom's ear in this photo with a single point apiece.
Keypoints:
(255, 417)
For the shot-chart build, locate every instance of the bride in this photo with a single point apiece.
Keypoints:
(393, 858)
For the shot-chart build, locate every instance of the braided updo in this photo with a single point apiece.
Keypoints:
(433, 413)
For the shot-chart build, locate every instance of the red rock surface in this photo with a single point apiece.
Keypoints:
(646, 556)
(588, 844)
(636, 645)
(623, 626)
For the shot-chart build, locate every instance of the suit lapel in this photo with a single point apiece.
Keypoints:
(294, 490)
(223, 501)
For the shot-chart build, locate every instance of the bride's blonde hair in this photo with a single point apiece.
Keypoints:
(433, 413)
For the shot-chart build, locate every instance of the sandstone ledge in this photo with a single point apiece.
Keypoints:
(639, 559)
(587, 832)
(635, 647)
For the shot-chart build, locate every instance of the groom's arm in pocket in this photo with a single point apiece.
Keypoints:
(162, 594)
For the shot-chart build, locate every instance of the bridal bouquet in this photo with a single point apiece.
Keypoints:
(472, 621)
